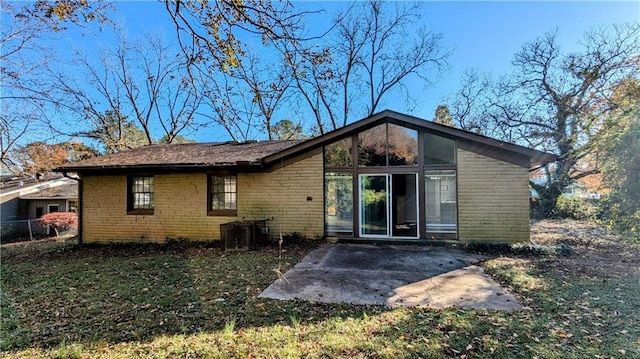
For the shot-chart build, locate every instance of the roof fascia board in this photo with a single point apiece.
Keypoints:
(345, 131)
(49, 198)
(36, 187)
(124, 170)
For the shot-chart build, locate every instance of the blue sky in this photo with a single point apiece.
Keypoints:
(484, 35)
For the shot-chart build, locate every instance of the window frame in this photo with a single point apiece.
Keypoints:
(450, 165)
(139, 211)
(69, 205)
(221, 212)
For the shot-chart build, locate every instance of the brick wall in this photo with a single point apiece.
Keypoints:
(181, 205)
(283, 195)
(493, 199)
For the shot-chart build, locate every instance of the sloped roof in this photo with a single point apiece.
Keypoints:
(185, 155)
(10, 183)
(68, 191)
(488, 146)
(257, 154)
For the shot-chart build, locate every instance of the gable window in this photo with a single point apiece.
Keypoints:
(439, 150)
(140, 190)
(222, 195)
(388, 145)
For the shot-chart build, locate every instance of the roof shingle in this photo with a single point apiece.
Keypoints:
(186, 154)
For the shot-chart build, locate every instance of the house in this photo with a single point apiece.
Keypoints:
(387, 177)
(24, 198)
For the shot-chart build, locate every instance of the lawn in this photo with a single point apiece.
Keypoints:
(60, 300)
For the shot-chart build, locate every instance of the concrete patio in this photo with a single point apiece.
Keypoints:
(389, 275)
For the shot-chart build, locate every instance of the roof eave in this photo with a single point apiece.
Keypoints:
(538, 158)
(154, 167)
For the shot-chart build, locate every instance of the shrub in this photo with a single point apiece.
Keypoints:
(576, 208)
(60, 220)
(615, 216)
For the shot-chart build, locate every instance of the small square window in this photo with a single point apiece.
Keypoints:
(140, 193)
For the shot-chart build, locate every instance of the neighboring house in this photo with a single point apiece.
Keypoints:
(386, 177)
(29, 197)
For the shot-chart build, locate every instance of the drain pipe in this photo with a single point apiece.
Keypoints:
(78, 179)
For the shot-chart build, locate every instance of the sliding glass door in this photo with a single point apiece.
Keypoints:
(389, 205)
(374, 199)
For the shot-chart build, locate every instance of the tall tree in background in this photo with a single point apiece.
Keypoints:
(619, 149)
(470, 102)
(41, 157)
(443, 116)
(13, 128)
(367, 53)
(287, 130)
(558, 101)
(245, 91)
(371, 52)
(115, 132)
(245, 98)
(135, 87)
(27, 28)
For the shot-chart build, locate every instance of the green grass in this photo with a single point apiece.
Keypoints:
(131, 301)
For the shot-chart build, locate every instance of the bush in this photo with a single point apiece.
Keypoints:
(60, 220)
(576, 208)
(615, 216)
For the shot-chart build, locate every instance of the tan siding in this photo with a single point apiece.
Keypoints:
(181, 205)
(282, 195)
(493, 199)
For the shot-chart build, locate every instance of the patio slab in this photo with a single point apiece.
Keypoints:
(418, 276)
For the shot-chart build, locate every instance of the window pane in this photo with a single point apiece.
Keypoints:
(223, 192)
(439, 150)
(440, 199)
(339, 154)
(402, 146)
(372, 146)
(141, 192)
(339, 202)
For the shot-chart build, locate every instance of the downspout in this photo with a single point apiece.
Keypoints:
(79, 180)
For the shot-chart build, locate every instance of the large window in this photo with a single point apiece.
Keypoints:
(372, 146)
(439, 150)
(222, 195)
(440, 199)
(402, 146)
(388, 145)
(339, 202)
(140, 195)
(338, 154)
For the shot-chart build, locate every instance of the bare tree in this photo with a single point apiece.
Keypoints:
(245, 91)
(558, 101)
(27, 28)
(137, 84)
(245, 98)
(12, 130)
(469, 103)
(370, 55)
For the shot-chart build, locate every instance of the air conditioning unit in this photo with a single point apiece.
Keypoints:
(236, 236)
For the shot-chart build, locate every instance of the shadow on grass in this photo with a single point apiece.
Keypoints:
(104, 295)
(155, 300)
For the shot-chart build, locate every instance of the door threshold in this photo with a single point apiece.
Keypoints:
(397, 241)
